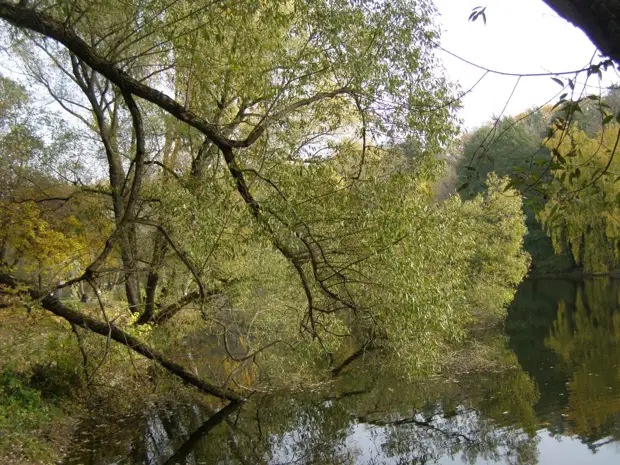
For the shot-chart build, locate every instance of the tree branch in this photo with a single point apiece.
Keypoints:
(260, 128)
(55, 306)
(182, 255)
(29, 18)
(168, 312)
(164, 167)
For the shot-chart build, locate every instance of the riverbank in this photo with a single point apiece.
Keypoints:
(576, 274)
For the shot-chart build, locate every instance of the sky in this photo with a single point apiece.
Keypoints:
(520, 36)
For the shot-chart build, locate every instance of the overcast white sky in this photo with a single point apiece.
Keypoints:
(521, 36)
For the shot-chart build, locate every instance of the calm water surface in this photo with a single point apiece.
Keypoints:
(561, 406)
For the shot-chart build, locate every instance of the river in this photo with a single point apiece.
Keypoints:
(557, 402)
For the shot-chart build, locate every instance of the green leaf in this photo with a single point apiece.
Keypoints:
(558, 81)
(554, 209)
(509, 186)
(557, 104)
(478, 12)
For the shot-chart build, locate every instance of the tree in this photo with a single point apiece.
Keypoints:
(514, 147)
(562, 160)
(270, 165)
(582, 213)
(507, 147)
(598, 19)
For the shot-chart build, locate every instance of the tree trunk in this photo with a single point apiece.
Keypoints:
(55, 306)
(159, 253)
(599, 19)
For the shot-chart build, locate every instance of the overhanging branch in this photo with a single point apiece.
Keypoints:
(31, 19)
(55, 306)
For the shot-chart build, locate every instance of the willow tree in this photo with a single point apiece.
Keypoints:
(582, 215)
(254, 154)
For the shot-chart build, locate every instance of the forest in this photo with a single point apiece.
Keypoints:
(565, 169)
(212, 199)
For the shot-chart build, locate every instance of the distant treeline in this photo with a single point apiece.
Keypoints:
(566, 170)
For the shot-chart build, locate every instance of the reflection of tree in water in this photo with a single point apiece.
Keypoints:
(371, 415)
(380, 419)
(479, 416)
(587, 341)
(421, 440)
(368, 414)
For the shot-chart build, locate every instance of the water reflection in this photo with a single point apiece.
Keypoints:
(586, 338)
(575, 364)
(560, 404)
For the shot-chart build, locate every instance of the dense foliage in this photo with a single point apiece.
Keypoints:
(586, 190)
(562, 160)
(254, 180)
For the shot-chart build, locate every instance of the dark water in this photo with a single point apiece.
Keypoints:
(560, 405)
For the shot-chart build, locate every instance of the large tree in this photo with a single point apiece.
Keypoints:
(270, 163)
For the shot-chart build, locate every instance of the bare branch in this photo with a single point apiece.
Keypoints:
(168, 312)
(42, 23)
(55, 306)
(181, 254)
(164, 167)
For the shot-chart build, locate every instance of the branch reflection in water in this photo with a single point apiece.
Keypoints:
(544, 391)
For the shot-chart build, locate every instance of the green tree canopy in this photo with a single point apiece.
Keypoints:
(270, 166)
